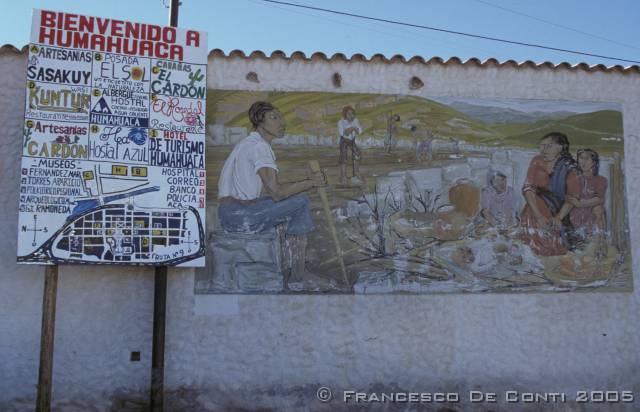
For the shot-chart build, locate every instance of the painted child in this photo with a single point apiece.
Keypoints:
(349, 129)
(588, 215)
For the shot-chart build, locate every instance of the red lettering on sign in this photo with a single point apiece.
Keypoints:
(193, 36)
(116, 27)
(169, 34)
(107, 27)
(85, 23)
(153, 33)
(102, 25)
(71, 21)
(47, 19)
(170, 108)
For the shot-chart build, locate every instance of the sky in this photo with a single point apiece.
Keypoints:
(581, 25)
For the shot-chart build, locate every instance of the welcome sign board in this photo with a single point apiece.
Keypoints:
(113, 167)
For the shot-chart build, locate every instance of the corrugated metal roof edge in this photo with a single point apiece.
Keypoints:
(298, 55)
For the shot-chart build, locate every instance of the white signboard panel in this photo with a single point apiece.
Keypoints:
(113, 167)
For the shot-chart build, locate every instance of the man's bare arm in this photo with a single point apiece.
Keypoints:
(279, 191)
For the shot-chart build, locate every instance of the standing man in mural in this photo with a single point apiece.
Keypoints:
(349, 129)
(423, 143)
(250, 168)
(390, 140)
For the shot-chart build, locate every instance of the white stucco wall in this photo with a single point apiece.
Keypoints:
(251, 352)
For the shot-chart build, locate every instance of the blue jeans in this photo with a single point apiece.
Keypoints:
(265, 214)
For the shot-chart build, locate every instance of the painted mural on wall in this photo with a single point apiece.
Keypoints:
(113, 166)
(414, 195)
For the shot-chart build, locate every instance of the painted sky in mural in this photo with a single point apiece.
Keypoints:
(113, 166)
(430, 195)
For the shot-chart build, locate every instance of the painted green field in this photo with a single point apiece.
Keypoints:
(584, 130)
(317, 113)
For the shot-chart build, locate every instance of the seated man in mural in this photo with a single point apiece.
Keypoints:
(588, 215)
(498, 201)
(349, 129)
(551, 177)
(250, 168)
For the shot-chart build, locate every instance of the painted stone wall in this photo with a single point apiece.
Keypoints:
(273, 352)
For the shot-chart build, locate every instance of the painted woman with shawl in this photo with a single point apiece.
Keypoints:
(551, 177)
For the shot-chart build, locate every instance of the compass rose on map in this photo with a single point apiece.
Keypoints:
(34, 229)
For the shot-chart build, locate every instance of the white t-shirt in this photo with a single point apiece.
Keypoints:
(239, 177)
(344, 124)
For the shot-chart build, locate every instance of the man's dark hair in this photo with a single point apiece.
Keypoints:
(257, 112)
(561, 139)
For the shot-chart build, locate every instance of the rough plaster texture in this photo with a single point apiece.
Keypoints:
(272, 352)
